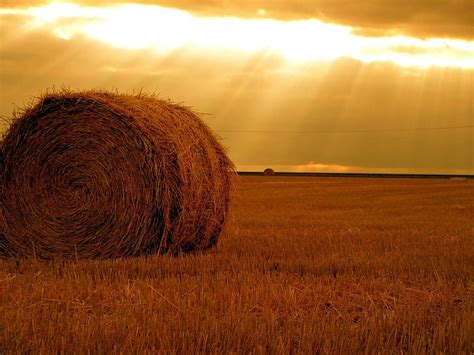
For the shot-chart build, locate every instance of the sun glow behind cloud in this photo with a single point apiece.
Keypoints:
(163, 30)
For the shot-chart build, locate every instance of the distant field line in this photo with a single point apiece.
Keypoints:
(417, 129)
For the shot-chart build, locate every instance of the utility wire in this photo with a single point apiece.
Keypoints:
(346, 131)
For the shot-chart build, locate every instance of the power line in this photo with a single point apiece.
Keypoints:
(382, 130)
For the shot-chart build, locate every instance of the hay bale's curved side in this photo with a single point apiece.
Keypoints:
(98, 175)
(3, 241)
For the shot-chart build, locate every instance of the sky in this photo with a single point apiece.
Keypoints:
(322, 86)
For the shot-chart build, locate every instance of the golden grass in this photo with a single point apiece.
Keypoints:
(308, 265)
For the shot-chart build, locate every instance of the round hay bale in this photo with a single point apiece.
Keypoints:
(269, 172)
(102, 175)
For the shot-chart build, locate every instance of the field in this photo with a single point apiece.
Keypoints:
(307, 265)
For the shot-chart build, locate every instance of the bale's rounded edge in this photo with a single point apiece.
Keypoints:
(100, 175)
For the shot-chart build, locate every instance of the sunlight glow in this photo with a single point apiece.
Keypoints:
(163, 29)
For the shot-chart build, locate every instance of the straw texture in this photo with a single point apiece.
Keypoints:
(103, 175)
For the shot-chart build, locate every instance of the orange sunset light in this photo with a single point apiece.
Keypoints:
(136, 26)
(237, 176)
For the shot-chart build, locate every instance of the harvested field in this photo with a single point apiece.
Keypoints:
(330, 265)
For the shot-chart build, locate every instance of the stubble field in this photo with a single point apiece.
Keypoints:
(307, 265)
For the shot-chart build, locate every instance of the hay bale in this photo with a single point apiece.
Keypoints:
(269, 172)
(102, 175)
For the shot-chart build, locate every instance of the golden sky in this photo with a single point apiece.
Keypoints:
(324, 85)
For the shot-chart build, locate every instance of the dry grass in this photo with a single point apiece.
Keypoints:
(308, 265)
(96, 175)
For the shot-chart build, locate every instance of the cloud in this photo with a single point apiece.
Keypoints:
(419, 18)
(260, 92)
(139, 27)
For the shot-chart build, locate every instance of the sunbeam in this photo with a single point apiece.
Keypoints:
(134, 26)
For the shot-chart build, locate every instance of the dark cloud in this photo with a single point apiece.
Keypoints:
(420, 18)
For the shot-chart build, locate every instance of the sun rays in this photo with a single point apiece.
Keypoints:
(163, 30)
